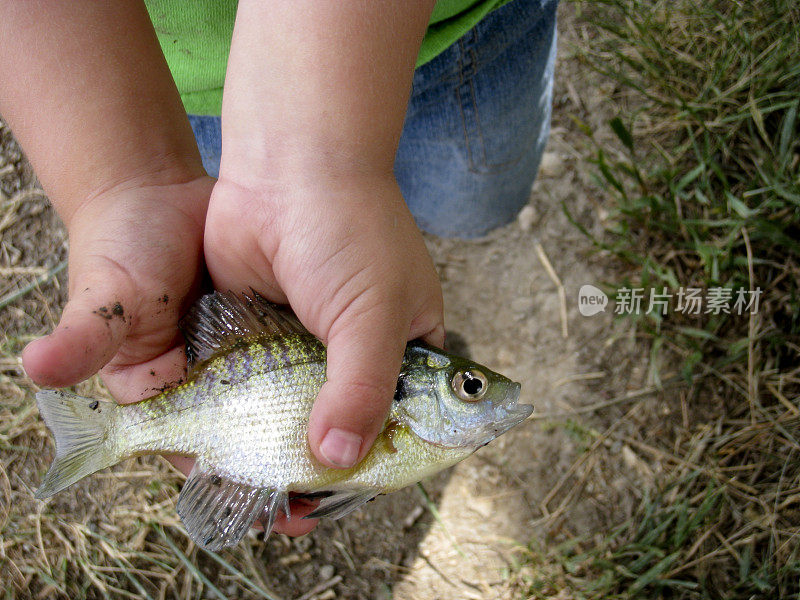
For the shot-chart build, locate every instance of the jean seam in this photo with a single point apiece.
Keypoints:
(461, 103)
(477, 167)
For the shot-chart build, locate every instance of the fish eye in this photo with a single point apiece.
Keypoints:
(470, 385)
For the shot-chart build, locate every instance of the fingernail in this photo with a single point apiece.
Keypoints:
(341, 447)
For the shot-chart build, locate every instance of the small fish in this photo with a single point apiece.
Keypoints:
(254, 372)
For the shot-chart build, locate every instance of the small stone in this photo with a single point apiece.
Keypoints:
(552, 165)
(526, 218)
(326, 572)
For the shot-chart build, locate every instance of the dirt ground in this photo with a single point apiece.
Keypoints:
(506, 309)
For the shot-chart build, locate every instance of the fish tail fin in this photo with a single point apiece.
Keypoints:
(80, 428)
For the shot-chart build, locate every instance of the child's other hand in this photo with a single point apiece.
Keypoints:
(87, 91)
(347, 256)
(134, 267)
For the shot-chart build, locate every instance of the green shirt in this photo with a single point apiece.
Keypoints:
(195, 36)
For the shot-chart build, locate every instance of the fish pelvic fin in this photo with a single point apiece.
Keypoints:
(342, 503)
(217, 512)
(80, 426)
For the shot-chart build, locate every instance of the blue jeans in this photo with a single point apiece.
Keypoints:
(476, 125)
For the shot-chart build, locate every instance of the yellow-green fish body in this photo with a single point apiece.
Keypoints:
(247, 414)
(243, 414)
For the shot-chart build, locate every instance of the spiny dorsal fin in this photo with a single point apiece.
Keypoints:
(217, 512)
(220, 320)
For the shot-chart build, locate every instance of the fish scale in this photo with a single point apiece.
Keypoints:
(243, 413)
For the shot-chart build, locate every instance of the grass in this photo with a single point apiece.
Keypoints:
(701, 185)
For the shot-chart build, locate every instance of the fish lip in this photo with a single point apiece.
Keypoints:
(512, 394)
(516, 413)
(512, 401)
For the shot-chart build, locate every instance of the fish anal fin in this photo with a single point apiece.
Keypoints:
(217, 512)
(222, 319)
(342, 503)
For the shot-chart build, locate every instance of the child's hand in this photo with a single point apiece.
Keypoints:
(134, 267)
(307, 209)
(349, 259)
(93, 104)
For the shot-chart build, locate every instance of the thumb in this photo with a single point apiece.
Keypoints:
(93, 325)
(365, 350)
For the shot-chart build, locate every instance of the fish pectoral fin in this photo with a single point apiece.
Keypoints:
(222, 319)
(217, 512)
(342, 503)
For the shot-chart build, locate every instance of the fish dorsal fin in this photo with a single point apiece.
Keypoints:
(217, 512)
(342, 503)
(220, 320)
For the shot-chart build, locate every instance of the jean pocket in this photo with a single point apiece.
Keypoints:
(492, 147)
(505, 101)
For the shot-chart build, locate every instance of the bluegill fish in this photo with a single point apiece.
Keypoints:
(254, 373)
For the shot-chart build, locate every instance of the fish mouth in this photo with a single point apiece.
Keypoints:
(512, 413)
(512, 394)
(507, 414)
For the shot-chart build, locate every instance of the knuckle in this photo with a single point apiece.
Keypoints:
(363, 398)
